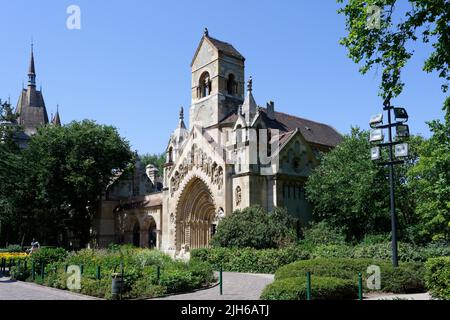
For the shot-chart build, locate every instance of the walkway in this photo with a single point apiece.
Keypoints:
(16, 290)
(236, 286)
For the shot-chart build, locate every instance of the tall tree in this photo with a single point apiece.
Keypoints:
(69, 169)
(348, 190)
(430, 182)
(380, 33)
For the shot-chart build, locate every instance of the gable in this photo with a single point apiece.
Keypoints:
(205, 53)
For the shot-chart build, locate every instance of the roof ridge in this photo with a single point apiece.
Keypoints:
(301, 118)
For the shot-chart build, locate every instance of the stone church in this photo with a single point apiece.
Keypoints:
(233, 154)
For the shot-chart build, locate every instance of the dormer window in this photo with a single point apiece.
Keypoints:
(204, 85)
(232, 85)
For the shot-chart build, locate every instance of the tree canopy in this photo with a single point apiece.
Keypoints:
(61, 177)
(380, 33)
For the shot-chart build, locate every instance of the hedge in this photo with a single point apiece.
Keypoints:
(437, 277)
(407, 278)
(249, 260)
(329, 288)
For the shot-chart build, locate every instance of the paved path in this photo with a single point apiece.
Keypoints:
(415, 296)
(236, 286)
(16, 290)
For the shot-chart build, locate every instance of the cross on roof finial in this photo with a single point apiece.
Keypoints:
(206, 32)
(250, 84)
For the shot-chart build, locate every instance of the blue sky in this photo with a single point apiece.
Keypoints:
(129, 65)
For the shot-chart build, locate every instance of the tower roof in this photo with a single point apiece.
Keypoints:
(223, 47)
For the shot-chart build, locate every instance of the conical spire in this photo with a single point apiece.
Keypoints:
(56, 119)
(31, 69)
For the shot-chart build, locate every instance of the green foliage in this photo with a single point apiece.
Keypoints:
(322, 233)
(69, 167)
(48, 256)
(388, 45)
(12, 248)
(355, 197)
(322, 288)
(253, 227)
(139, 269)
(430, 182)
(249, 259)
(407, 278)
(437, 277)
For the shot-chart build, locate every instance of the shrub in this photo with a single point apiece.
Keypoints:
(383, 251)
(249, 260)
(48, 255)
(407, 278)
(253, 227)
(437, 277)
(19, 274)
(322, 233)
(321, 288)
(332, 251)
(12, 248)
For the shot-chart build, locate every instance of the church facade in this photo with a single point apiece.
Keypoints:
(233, 154)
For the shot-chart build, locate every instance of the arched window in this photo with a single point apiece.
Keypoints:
(231, 84)
(204, 85)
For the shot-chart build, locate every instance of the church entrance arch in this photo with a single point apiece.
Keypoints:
(196, 215)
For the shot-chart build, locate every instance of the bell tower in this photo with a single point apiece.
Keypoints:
(217, 81)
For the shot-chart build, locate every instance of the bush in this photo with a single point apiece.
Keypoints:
(48, 255)
(322, 233)
(253, 227)
(249, 260)
(437, 277)
(321, 288)
(332, 251)
(12, 248)
(139, 267)
(383, 251)
(407, 278)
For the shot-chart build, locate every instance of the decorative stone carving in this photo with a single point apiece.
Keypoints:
(200, 161)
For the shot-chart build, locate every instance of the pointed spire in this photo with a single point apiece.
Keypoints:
(31, 69)
(56, 119)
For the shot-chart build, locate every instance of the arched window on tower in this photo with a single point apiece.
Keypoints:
(231, 84)
(204, 85)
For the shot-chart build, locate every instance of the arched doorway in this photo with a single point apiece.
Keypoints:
(196, 213)
(149, 237)
(136, 235)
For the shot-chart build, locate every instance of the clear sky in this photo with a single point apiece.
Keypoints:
(129, 64)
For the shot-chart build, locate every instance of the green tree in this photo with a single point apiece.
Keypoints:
(430, 182)
(349, 191)
(68, 169)
(10, 171)
(388, 44)
(254, 227)
(156, 159)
